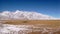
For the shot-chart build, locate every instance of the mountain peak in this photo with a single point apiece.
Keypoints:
(24, 15)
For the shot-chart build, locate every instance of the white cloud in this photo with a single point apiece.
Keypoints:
(24, 15)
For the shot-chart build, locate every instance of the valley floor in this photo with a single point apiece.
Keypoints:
(29, 26)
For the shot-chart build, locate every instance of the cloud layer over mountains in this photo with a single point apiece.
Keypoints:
(24, 15)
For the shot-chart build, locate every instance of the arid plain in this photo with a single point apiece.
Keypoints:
(54, 24)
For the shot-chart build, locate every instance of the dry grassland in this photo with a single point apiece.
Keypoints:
(48, 23)
(52, 23)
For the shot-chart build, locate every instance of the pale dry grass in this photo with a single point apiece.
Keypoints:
(48, 23)
(52, 23)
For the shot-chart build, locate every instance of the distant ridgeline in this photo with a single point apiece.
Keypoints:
(25, 15)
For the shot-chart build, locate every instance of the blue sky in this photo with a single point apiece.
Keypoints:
(49, 7)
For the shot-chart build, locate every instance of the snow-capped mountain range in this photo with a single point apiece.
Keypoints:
(24, 15)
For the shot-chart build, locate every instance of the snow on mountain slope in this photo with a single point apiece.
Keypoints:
(24, 15)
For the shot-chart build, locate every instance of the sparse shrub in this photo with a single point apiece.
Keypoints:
(24, 21)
